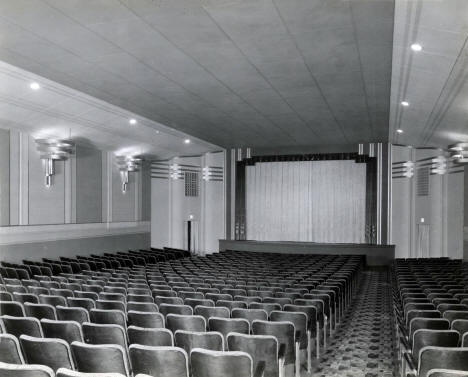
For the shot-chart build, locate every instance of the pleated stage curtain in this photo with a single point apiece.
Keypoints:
(311, 201)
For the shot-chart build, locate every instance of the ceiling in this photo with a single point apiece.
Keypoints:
(435, 80)
(58, 111)
(256, 73)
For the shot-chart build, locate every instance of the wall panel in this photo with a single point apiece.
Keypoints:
(88, 185)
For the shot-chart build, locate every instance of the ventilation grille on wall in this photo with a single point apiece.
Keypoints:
(423, 181)
(191, 184)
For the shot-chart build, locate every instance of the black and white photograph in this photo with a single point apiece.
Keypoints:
(233, 188)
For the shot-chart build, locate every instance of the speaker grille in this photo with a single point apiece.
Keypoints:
(422, 185)
(191, 184)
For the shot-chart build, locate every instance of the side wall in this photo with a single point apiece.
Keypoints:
(171, 209)
(85, 197)
(426, 224)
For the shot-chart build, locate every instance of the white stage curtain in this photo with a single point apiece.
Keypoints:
(310, 201)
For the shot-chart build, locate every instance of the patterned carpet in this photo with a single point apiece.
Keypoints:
(363, 344)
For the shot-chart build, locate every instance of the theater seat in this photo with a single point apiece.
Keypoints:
(103, 358)
(447, 373)
(160, 337)
(263, 349)
(205, 363)
(63, 372)
(189, 340)
(53, 352)
(159, 361)
(10, 351)
(14, 370)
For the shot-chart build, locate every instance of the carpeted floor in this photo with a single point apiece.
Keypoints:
(363, 344)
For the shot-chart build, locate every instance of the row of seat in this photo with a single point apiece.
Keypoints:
(181, 279)
(431, 315)
(50, 267)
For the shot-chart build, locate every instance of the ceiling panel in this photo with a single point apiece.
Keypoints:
(433, 80)
(231, 72)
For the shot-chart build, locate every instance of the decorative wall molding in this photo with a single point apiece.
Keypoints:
(40, 233)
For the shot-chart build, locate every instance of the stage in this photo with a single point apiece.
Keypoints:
(376, 255)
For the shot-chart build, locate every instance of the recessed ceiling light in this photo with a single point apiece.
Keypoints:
(400, 131)
(404, 103)
(157, 131)
(416, 47)
(132, 121)
(187, 141)
(34, 86)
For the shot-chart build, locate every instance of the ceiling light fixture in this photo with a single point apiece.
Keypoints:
(132, 121)
(52, 150)
(400, 131)
(35, 86)
(405, 103)
(416, 47)
(187, 141)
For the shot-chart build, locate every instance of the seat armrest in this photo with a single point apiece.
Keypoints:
(409, 361)
(405, 343)
(282, 351)
(297, 335)
(260, 370)
(403, 331)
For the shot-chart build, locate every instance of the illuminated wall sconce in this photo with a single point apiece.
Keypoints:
(52, 150)
(439, 165)
(212, 173)
(459, 153)
(127, 164)
(408, 169)
(175, 172)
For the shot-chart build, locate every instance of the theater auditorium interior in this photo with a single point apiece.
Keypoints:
(233, 188)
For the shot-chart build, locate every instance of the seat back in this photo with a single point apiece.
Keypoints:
(52, 300)
(103, 358)
(460, 325)
(94, 333)
(446, 373)
(262, 349)
(159, 361)
(115, 317)
(228, 325)
(10, 351)
(159, 337)
(432, 357)
(40, 311)
(62, 372)
(250, 314)
(79, 315)
(299, 320)
(284, 332)
(166, 309)
(189, 340)
(77, 302)
(22, 325)
(12, 308)
(145, 319)
(185, 322)
(441, 338)
(208, 311)
(54, 353)
(26, 297)
(268, 307)
(206, 363)
(429, 324)
(70, 331)
(14, 370)
(142, 307)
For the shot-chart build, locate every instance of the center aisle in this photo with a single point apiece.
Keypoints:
(363, 345)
